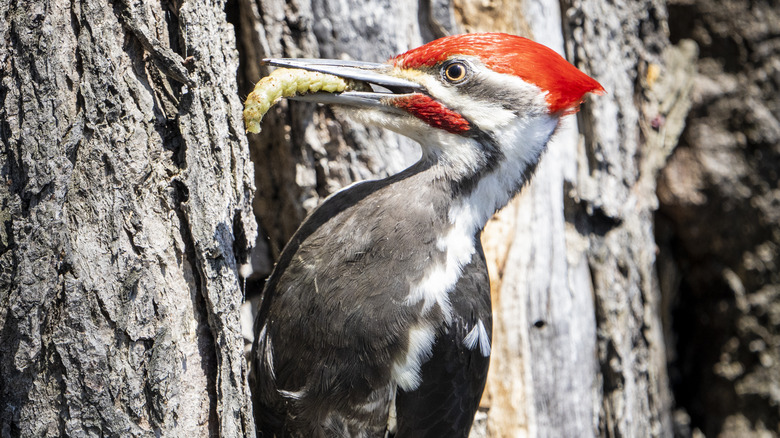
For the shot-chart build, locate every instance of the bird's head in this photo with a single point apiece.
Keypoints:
(471, 100)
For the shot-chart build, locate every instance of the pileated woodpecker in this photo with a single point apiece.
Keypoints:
(376, 320)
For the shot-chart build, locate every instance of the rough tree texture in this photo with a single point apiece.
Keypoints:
(613, 198)
(579, 347)
(125, 213)
(719, 223)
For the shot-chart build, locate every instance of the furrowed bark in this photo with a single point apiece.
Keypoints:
(126, 215)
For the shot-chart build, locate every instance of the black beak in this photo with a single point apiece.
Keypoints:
(378, 77)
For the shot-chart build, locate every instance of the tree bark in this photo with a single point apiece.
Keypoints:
(126, 216)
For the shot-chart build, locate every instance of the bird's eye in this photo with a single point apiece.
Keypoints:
(455, 72)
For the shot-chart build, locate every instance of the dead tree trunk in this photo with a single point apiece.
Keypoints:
(578, 341)
(126, 214)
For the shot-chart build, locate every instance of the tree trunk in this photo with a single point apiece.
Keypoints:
(126, 215)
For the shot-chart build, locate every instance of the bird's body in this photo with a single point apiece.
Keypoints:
(376, 320)
(351, 323)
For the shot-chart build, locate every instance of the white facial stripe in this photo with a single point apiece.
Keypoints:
(487, 112)
(485, 115)
(521, 139)
(522, 142)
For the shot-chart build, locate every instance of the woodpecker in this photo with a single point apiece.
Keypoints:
(376, 321)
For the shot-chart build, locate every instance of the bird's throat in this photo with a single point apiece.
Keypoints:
(486, 172)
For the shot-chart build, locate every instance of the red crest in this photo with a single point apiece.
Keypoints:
(565, 85)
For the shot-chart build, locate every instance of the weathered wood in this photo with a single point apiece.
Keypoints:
(613, 198)
(126, 215)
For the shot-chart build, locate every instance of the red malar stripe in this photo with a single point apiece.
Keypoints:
(433, 113)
